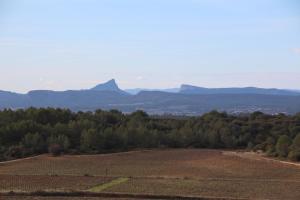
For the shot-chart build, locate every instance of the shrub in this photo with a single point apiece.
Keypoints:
(282, 146)
(15, 152)
(55, 149)
(294, 155)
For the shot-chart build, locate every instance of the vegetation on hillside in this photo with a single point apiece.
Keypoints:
(35, 131)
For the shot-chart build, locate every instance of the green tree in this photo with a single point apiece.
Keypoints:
(60, 140)
(35, 143)
(91, 140)
(270, 146)
(113, 140)
(282, 145)
(295, 149)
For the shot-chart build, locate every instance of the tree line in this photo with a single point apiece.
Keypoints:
(47, 130)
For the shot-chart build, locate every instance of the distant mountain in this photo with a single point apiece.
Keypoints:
(190, 89)
(138, 90)
(298, 91)
(110, 85)
(13, 100)
(189, 100)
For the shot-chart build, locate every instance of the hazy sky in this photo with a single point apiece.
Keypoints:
(75, 44)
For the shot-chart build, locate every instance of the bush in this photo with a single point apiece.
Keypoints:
(55, 149)
(61, 140)
(15, 152)
(294, 155)
(271, 151)
(282, 146)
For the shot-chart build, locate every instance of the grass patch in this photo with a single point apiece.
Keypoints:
(102, 187)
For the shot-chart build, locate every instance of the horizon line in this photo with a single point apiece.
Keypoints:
(153, 89)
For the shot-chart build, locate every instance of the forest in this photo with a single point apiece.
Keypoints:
(35, 131)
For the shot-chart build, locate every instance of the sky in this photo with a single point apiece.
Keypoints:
(76, 44)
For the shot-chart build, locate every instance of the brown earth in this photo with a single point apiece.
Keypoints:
(169, 172)
(59, 198)
(32, 183)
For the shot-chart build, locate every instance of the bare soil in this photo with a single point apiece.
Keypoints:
(211, 173)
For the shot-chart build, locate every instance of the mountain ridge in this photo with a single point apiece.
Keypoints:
(109, 96)
(110, 85)
(191, 89)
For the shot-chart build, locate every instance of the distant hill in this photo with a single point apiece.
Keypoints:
(110, 85)
(13, 100)
(138, 90)
(189, 89)
(189, 100)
